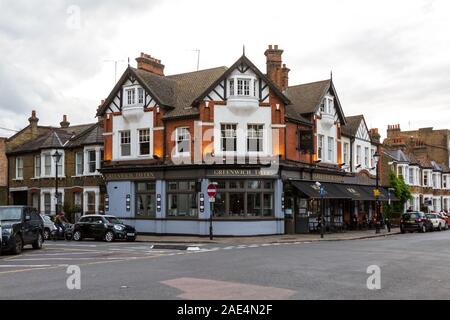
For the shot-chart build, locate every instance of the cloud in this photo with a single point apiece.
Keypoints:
(51, 47)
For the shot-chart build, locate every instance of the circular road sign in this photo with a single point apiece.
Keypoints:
(212, 190)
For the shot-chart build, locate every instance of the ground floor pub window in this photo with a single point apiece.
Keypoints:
(244, 199)
(182, 198)
(145, 199)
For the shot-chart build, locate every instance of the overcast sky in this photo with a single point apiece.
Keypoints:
(390, 59)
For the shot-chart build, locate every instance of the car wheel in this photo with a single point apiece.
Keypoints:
(46, 234)
(423, 229)
(77, 236)
(18, 245)
(109, 236)
(38, 243)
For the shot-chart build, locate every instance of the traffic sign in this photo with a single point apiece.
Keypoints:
(211, 190)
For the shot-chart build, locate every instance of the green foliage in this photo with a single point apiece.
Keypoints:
(402, 191)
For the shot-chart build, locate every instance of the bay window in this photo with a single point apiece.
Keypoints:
(92, 161)
(47, 164)
(243, 87)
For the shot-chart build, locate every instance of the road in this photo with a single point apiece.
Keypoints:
(413, 266)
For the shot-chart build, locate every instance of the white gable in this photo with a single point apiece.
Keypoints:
(362, 132)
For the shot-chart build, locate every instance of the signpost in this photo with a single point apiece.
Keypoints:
(322, 195)
(211, 191)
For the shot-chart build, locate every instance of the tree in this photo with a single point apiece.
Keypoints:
(402, 191)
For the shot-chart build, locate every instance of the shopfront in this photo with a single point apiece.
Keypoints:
(175, 201)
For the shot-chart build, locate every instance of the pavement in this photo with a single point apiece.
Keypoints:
(411, 266)
(285, 238)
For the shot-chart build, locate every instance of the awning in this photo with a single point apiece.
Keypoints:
(311, 190)
(342, 191)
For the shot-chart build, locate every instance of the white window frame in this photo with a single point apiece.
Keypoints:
(121, 143)
(47, 155)
(37, 172)
(366, 156)
(346, 153)
(330, 149)
(182, 134)
(19, 168)
(253, 134)
(98, 156)
(139, 131)
(243, 87)
(358, 154)
(320, 145)
(229, 132)
(79, 167)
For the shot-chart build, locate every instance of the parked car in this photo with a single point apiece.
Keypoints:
(446, 217)
(415, 221)
(21, 226)
(437, 221)
(49, 226)
(103, 227)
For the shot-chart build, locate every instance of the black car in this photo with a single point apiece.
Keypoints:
(415, 221)
(20, 226)
(102, 227)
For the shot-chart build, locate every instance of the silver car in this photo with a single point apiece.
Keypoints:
(49, 226)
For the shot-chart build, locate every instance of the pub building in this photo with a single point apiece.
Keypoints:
(262, 143)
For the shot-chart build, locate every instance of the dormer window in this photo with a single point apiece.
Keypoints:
(327, 105)
(140, 95)
(246, 87)
(130, 96)
(243, 87)
(133, 95)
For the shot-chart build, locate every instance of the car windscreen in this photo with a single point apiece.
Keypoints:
(10, 214)
(113, 220)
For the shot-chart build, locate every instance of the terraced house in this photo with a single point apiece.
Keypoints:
(264, 144)
(421, 159)
(33, 167)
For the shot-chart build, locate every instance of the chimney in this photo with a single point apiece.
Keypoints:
(64, 123)
(375, 135)
(148, 63)
(276, 71)
(33, 123)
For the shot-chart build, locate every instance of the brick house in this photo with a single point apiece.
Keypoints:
(32, 168)
(421, 158)
(262, 142)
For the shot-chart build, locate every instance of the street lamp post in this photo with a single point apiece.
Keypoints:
(57, 157)
(376, 157)
(322, 208)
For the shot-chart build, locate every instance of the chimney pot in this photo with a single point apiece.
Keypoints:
(64, 123)
(276, 47)
(148, 63)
